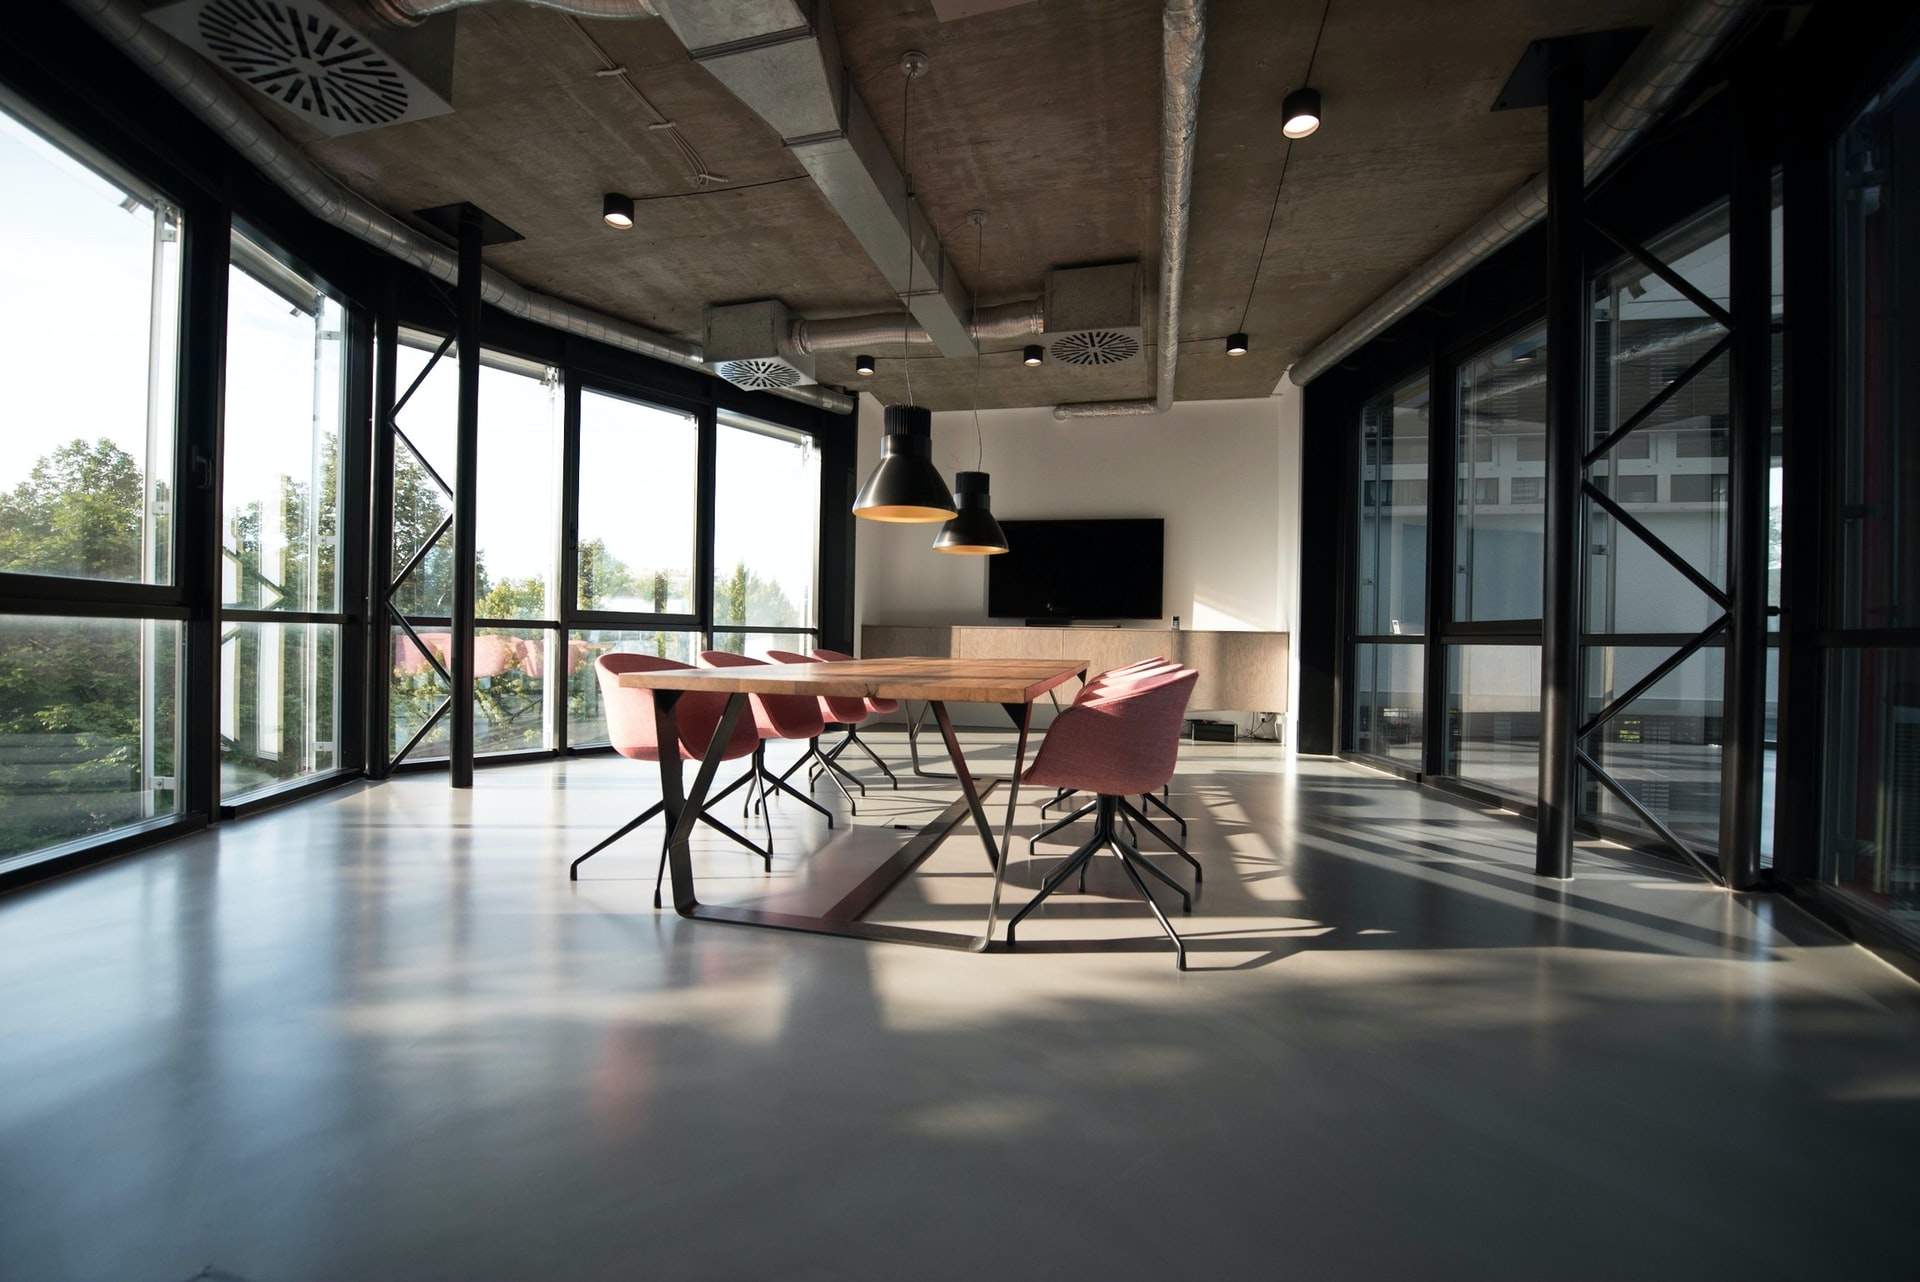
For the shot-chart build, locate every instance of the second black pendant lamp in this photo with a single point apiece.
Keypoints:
(972, 531)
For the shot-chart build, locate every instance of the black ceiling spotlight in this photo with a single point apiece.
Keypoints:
(1300, 113)
(972, 531)
(617, 210)
(863, 365)
(905, 486)
(1236, 344)
(1033, 355)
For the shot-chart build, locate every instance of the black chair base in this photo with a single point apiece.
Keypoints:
(1107, 837)
(1127, 815)
(853, 740)
(761, 777)
(705, 816)
(825, 766)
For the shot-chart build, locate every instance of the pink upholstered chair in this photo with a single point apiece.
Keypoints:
(409, 660)
(494, 655)
(1120, 741)
(634, 734)
(1124, 673)
(835, 710)
(777, 716)
(874, 708)
(1130, 672)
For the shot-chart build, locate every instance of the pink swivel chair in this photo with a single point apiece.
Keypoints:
(874, 708)
(631, 728)
(776, 716)
(835, 710)
(1119, 741)
(1088, 689)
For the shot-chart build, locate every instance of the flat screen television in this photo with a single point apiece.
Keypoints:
(1063, 570)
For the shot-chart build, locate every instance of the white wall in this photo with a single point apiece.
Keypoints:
(1224, 475)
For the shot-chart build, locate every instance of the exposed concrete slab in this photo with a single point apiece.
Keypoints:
(1046, 115)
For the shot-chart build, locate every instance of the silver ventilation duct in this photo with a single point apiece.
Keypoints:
(782, 59)
(202, 90)
(411, 13)
(1183, 46)
(1643, 89)
(1003, 323)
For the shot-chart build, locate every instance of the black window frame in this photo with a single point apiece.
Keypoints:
(63, 72)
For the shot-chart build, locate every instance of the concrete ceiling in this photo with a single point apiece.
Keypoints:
(1046, 115)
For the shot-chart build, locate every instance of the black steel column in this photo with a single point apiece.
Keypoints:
(1442, 441)
(1750, 275)
(1322, 632)
(197, 511)
(356, 655)
(707, 470)
(1809, 264)
(386, 343)
(1566, 444)
(465, 499)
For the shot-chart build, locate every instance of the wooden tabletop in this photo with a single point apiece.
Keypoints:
(947, 680)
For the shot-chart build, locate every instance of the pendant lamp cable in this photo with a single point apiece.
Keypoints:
(979, 278)
(906, 220)
(1285, 160)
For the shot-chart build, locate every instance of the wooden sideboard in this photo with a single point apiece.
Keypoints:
(1239, 671)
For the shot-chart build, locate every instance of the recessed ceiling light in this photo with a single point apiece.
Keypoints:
(617, 210)
(1300, 113)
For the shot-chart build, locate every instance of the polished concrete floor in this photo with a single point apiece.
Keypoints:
(379, 1035)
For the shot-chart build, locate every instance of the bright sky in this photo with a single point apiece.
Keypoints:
(75, 339)
(76, 277)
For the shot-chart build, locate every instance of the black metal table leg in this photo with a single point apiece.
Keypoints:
(969, 787)
(684, 807)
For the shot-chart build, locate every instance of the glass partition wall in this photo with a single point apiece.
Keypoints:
(1869, 835)
(207, 603)
(609, 520)
(91, 645)
(1469, 713)
(1390, 589)
(516, 566)
(281, 617)
(1492, 691)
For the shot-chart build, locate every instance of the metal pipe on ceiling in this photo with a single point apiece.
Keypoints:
(1642, 90)
(411, 13)
(1001, 323)
(1183, 48)
(204, 92)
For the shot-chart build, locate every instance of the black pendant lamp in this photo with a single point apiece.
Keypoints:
(906, 487)
(972, 531)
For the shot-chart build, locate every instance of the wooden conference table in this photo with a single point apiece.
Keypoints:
(1014, 684)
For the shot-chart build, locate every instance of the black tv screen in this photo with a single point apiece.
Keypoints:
(1077, 570)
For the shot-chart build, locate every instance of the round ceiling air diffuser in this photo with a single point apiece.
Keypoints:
(759, 375)
(304, 56)
(1096, 347)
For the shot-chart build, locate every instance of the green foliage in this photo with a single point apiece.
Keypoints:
(513, 599)
(79, 513)
(70, 691)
